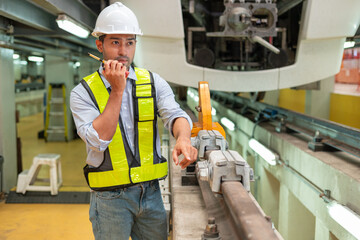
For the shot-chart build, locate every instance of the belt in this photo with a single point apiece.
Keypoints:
(122, 187)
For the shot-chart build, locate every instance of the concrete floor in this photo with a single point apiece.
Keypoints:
(48, 221)
(44, 222)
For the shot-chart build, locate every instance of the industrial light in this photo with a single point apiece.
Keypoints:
(35, 59)
(213, 111)
(228, 123)
(349, 44)
(77, 64)
(345, 217)
(16, 56)
(263, 151)
(190, 93)
(68, 24)
(196, 98)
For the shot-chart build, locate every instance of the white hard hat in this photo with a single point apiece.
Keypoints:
(116, 19)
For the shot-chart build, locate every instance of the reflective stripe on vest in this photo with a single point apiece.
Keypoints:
(151, 166)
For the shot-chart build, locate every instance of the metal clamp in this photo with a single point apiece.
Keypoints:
(209, 140)
(224, 166)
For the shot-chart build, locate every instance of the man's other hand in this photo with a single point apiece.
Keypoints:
(183, 146)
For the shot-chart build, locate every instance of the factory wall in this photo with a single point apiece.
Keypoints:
(345, 109)
(322, 103)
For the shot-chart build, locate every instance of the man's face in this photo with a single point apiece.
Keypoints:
(119, 47)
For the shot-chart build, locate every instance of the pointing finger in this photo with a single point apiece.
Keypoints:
(175, 157)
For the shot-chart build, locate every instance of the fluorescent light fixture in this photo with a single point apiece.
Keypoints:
(263, 151)
(70, 25)
(35, 59)
(23, 62)
(228, 123)
(345, 217)
(190, 93)
(213, 111)
(349, 44)
(16, 56)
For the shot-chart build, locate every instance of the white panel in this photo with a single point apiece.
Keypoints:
(158, 17)
(316, 60)
(167, 58)
(162, 48)
(242, 81)
(331, 18)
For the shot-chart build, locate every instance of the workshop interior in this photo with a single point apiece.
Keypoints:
(272, 88)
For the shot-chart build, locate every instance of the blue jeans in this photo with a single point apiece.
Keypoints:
(137, 211)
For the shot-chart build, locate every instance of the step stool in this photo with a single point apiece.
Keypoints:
(27, 177)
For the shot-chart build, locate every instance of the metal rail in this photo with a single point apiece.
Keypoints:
(236, 213)
(328, 133)
(215, 209)
(246, 214)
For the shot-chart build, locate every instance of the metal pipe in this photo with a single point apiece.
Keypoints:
(248, 218)
(190, 31)
(283, 37)
(247, 49)
(265, 44)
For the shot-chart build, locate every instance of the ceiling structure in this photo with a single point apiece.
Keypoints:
(30, 26)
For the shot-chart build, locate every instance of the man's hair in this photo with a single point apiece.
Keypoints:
(102, 37)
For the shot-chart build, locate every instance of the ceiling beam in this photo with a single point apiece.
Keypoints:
(76, 10)
(28, 14)
(58, 33)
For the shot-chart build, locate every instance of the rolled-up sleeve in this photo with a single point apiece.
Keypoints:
(84, 112)
(168, 109)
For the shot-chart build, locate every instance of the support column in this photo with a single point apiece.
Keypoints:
(283, 225)
(268, 193)
(317, 102)
(61, 70)
(296, 222)
(7, 119)
(321, 231)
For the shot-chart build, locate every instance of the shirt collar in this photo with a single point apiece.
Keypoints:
(132, 75)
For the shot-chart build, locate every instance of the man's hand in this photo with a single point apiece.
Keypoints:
(105, 124)
(115, 73)
(183, 146)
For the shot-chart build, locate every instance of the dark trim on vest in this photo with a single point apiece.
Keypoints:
(129, 154)
(86, 86)
(153, 93)
(136, 128)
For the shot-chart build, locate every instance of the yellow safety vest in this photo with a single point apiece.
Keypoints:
(121, 167)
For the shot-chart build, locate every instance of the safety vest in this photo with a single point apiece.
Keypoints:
(122, 167)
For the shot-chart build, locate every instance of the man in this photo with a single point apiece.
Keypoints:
(115, 112)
